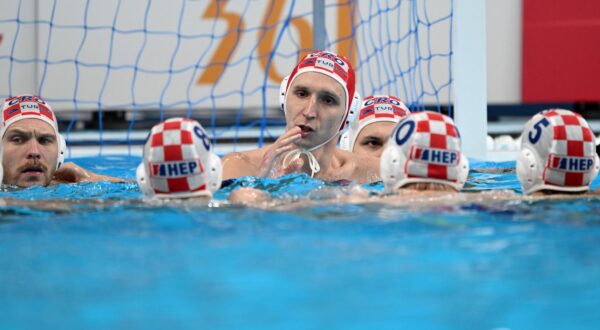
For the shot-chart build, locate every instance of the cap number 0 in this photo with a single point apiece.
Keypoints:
(403, 134)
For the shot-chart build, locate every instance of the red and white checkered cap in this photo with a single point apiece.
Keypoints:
(32, 107)
(558, 152)
(24, 107)
(178, 161)
(424, 147)
(377, 108)
(334, 66)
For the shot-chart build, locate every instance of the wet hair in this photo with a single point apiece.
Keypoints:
(429, 186)
(557, 192)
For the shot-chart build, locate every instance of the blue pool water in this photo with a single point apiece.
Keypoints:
(102, 259)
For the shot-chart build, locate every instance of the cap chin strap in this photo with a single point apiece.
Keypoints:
(312, 160)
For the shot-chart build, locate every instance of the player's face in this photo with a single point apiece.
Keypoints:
(315, 103)
(373, 138)
(30, 153)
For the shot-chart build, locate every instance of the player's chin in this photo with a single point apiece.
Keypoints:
(312, 140)
(29, 181)
(305, 143)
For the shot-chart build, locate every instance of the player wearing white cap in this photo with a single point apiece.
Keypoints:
(369, 132)
(319, 99)
(558, 154)
(33, 150)
(178, 162)
(424, 148)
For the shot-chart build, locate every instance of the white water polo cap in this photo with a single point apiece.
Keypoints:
(558, 153)
(377, 108)
(331, 65)
(32, 107)
(424, 147)
(179, 162)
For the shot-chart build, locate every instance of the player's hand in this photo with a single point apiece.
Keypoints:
(248, 196)
(270, 165)
(73, 173)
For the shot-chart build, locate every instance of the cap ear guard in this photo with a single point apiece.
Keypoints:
(527, 170)
(352, 113)
(345, 141)
(214, 173)
(1, 167)
(463, 173)
(62, 151)
(392, 168)
(282, 90)
(596, 163)
(353, 131)
(596, 168)
(142, 180)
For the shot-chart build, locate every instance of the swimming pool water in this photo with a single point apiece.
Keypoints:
(103, 259)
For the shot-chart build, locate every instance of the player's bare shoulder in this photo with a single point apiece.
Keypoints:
(367, 168)
(245, 163)
(361, 168)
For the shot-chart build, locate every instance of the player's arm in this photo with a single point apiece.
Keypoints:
(239, 164)
(263, 162)
(73, 173)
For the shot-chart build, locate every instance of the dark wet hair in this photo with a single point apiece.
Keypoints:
(429, 186)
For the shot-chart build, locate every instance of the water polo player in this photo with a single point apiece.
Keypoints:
(424, 153)
(33, 150)
(558, 153)
(319, 99)
(178, 162)
(369, 132)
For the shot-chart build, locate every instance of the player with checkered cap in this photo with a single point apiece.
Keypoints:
(28, 166)
(558, 153)
(178, 161)
(374, 109)
(334, 66)
(424, 148)
(319, 99)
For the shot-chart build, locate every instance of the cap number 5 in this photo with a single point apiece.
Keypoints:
(537, 130)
